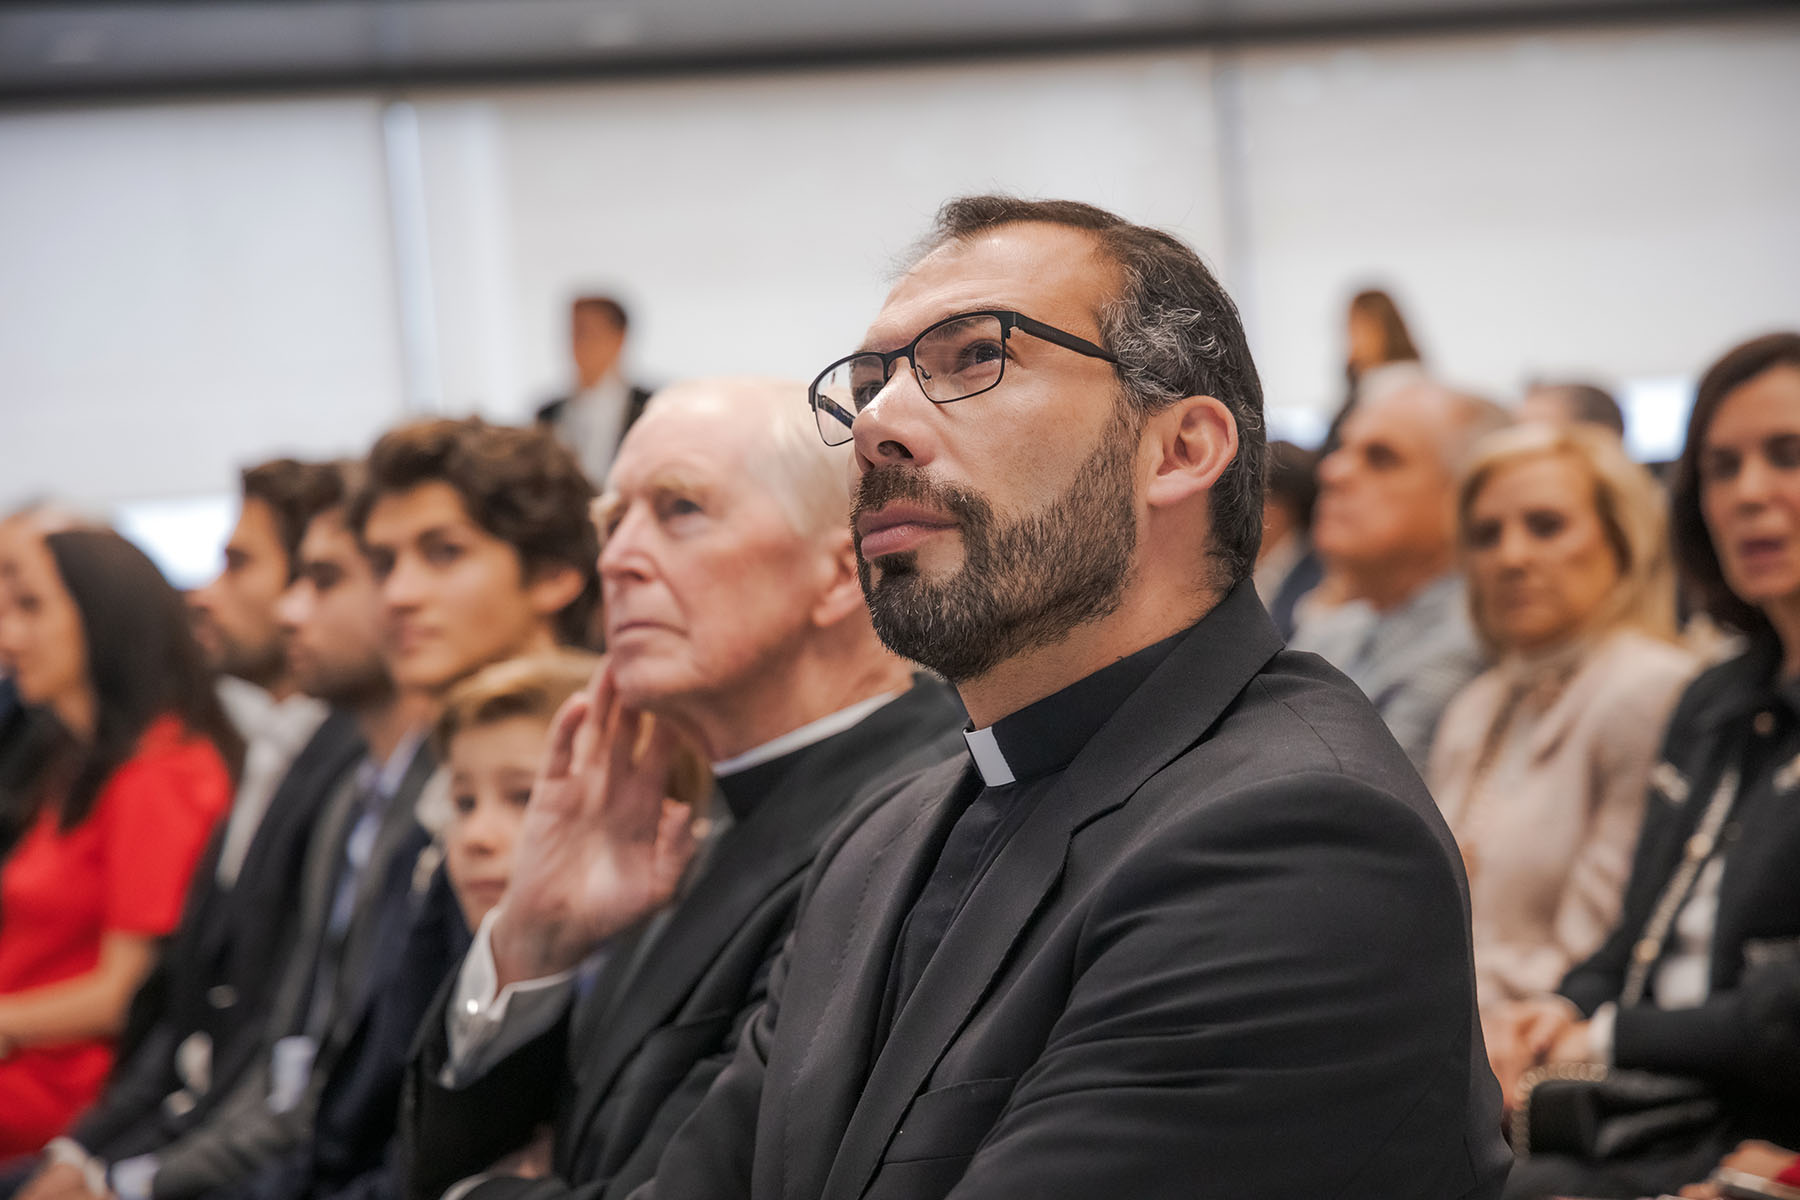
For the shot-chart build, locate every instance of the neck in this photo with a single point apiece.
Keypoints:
(1391, 585)
(1043, 671)
(784, 698)
(75, 709)
(385, 722)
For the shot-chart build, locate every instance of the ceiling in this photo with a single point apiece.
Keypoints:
(68, 51)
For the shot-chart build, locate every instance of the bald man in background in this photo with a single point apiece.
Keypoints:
(1385, 527)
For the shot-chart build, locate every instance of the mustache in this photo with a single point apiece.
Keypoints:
(884, 485)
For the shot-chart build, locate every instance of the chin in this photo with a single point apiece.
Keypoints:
(645, 683)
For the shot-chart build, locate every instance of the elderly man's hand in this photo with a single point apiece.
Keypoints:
(601, 846)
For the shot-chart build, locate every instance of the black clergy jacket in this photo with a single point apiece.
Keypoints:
(1225, 954)
(635, 1055)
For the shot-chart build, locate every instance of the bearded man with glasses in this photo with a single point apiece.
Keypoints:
(1183, 921)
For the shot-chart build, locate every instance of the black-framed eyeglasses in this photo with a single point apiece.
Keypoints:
(954, 359)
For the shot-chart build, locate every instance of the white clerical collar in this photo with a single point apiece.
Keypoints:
(995, 771)
(806, 735)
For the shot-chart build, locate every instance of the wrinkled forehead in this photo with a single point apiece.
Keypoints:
(1054, 273)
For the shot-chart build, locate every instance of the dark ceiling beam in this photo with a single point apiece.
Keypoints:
(1236, 31)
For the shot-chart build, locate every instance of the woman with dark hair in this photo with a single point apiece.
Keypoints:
(1700, 979)
(1379, 354)
(109, 819)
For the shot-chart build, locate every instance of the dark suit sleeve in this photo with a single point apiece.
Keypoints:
(133, 1093)
(671, 1117)
(710, 1156)
(1272, 996)
(452, 1133)
(1601, 977)
(1747, 1037)
(685, 1099)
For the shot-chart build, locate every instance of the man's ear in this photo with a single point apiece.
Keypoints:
(842, 595)
(552, 588)
(1190, 442)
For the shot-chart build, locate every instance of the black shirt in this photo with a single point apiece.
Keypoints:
(1016, 760)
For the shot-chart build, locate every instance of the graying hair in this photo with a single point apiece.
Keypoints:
(1175, 333)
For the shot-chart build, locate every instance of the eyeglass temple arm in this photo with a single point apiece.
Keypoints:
(1067, 341)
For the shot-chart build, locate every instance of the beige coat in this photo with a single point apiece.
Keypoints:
(1548, 826)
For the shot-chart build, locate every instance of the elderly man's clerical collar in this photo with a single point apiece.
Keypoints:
(1045, 736)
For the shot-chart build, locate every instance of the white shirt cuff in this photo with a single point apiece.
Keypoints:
(1600, 1033)
(486, 1022)
(134, 1178)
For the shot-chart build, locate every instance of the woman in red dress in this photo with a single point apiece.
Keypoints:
(101, 825)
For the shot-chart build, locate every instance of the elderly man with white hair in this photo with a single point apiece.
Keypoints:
(1385, 527)
(734, 617)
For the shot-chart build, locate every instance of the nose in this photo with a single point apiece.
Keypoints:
(896, 426)
(624, 552)
(479, 830)
(1751, 487)
(1513, 549)
(290, 607)
(1333, 468)
(402, 590)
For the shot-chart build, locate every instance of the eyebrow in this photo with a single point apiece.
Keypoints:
(974, 306)
(611, 503)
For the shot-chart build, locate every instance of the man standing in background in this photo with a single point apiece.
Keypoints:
(594, 417)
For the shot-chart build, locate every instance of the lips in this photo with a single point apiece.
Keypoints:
(409, 637)
(1760, 552)
(488, 891)
(898, 527)
(618, 629)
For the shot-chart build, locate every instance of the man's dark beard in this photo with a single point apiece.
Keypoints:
(1022, 586)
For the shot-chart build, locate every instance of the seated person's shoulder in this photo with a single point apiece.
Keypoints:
(1300, 716)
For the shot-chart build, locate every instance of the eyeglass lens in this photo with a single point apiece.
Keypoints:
(951, 361)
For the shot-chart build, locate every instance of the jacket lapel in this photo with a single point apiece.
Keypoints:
(749, 863)
(1170, 713)
(752, 860)
(836, 1014)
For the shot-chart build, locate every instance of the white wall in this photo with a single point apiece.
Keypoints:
(1625, 205)
(187, 287)
(751, 223)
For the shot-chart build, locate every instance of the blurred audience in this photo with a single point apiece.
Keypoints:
(1385, 529)
(1701, 976)
(603, 403)
(200, 1020)
(479, 548)
(1540, 764)
(234, 618)
(112, 812)
(300, 894)
(491, 736)
(734, 615)
(1572, 403)
(1286, 566)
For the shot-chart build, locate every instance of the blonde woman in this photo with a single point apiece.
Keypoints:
(1540, 764)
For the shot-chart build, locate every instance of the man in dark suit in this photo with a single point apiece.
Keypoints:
(1184, 922)
(593, 418)
(733, 614)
